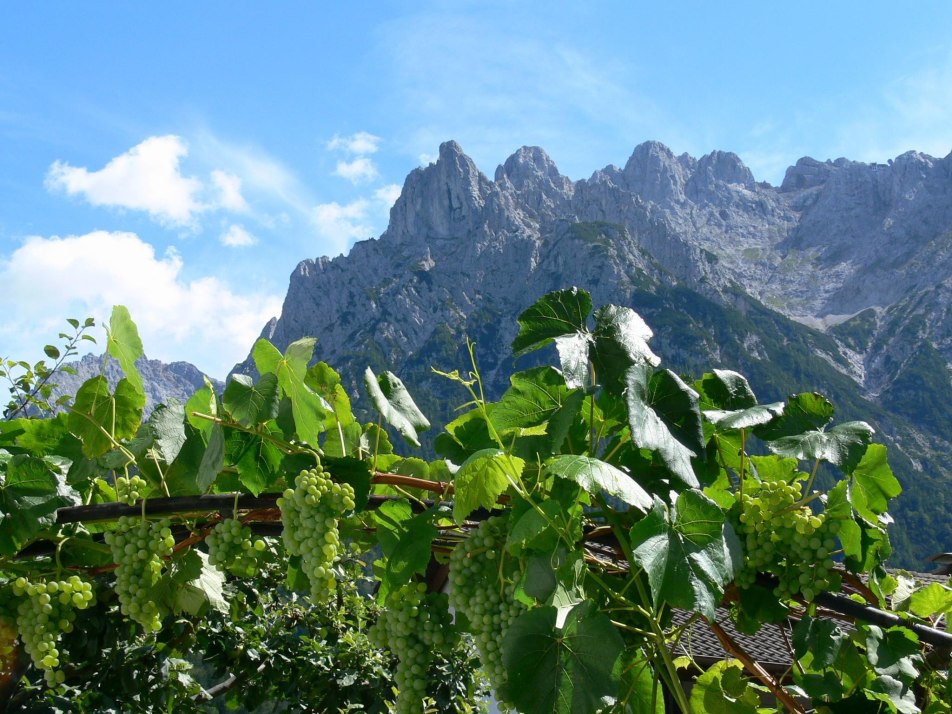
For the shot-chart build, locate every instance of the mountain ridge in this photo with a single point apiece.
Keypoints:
(463, 255)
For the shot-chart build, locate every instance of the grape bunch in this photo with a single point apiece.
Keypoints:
(138, 547)
(310, 512)
(129, 490)
(785, 539)
(415, 627)
(484, 591)
(231, 548)
(47, 611)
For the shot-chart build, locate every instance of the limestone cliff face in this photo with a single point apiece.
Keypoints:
(836, 238)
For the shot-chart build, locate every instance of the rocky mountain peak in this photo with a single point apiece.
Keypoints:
(442, 200)
(536, 180)
(656, 174)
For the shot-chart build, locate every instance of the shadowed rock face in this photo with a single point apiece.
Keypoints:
(463, 255)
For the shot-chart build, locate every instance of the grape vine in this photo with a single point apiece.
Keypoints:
(571, 517)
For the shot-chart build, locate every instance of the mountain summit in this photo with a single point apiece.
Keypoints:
(839, 280)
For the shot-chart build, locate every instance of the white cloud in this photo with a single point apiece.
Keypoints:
(361, 143)
(147, 178)
(237, 237)
(202, 320)
(229, 191)
(359, 170)
(342, 224)
(388, 195)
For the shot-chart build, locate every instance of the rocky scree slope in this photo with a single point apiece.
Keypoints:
(836, 281)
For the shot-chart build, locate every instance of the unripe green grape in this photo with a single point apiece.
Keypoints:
(485, 593)
(138, 548)
(231, 548)
(41, 619)
(130, 489)
(789, 541)
(310, 512)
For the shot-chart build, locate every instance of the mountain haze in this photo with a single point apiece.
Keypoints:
(839, 281)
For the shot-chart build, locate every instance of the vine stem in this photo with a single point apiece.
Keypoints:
(670, 670)
(755, 668)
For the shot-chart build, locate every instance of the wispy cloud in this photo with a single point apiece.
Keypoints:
(359, 170)
(229, 191)
(460, 76)
(207, 315)
(342, 224)
(237, 237)
(360, 143)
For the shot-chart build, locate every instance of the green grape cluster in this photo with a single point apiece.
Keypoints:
(138, 547)
(484, 591)
(129, 490)
(785, 539)
(47, 611)
(310, 512)
(231, 548)
(415, 627)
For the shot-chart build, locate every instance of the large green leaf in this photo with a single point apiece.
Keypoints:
(482, 478)
(249, 403)
(934, 599)
(648, 430)
(213, 459)
(843, 445)
(307, 407)
(557, 314)
(534, 396)
(266, 356)
(725, 390)
(464, 436)
(167, 422)
(807, 411)
(395, 405)
(689, 555)
(872, 484)
(124, 344)
(257, 460)
(594, 476)
(678, 405)
(723, 689)
(574, 669)
(30, 494)
(326, 382)
(621, 342)
(406, 540)
(97, 413)
(744, 418)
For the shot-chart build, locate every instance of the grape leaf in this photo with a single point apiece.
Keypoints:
(726, 390)
(621, 343)
(723, 689)
(124, 344)
(689, 555)
(842, 446)
(872, 484)
(406, 540)
(96, 412)
(648, 430)
(167, 422)
(557, 314)
(213, 460)
(574, 669)
(481, 479)
(251, 404)
(594, 476)
(30, 494)
(395, 405)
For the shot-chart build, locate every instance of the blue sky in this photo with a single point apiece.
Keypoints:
(182, 158)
